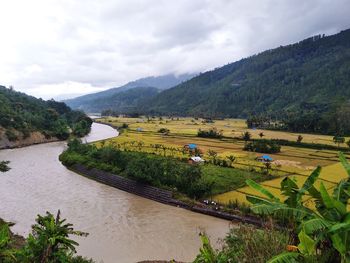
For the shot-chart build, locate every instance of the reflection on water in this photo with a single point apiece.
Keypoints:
(123, 227)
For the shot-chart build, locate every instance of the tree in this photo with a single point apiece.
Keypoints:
(338, 140)
(140, 144)
(267, 166)
(299, 139)
(246, 136)
(212, 154)
(50, 240)
(231, 158)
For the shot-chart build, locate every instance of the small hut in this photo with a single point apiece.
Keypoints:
(265, 158)
(195, 160)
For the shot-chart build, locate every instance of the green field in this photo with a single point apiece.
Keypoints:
(142, 135)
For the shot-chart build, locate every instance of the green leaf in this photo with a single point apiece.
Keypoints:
(338, 244)
(309, 183)
(315, 224)
(290, 189)
(262, 190)
(341, 193)
(287, 257)
(307, 245)
(330, 202)
(340, 227)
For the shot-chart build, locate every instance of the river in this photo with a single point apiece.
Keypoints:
(123, 227)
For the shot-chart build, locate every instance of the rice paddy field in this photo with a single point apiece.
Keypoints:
(142, 134)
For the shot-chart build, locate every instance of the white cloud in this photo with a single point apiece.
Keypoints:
(88, 45)
(63, 90)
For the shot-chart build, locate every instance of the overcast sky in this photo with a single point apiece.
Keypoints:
(64, 48)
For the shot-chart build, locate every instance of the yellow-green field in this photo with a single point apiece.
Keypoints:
(291, 161)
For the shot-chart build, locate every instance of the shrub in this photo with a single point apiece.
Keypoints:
(164, 130)
(249, 244)
(211, 133)
(245, 244)
(11, 136)
(262, 146)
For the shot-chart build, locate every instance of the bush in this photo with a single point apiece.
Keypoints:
(11, 135)
(245, 244)
(147, 168)
(125, 126)
(211, 133)
(164, 130)
(249, 244)
(262, 146)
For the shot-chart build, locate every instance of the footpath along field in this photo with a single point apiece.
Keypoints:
(143, 134)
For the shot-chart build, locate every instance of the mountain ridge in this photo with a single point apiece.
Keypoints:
(88, 102)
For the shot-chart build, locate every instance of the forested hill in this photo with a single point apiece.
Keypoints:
(21, 115)
(126, 98)
(309, 77)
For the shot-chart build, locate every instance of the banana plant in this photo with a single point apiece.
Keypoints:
(50, 240)
(7, 254)
(329, 223)
(208, 254)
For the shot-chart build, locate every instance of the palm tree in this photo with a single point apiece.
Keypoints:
(212, 154)
(231, 158)
(140, 144)
(299, 139)
(50, 238)
(246, 136)
(267, 166)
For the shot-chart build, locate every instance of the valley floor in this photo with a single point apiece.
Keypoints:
(143, 135)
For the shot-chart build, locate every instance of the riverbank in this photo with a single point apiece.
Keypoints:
(118, 222)
(156, 194)
(32, 139)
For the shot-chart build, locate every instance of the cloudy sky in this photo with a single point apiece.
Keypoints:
(62, 48)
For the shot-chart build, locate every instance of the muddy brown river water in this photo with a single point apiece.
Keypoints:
(123, 227)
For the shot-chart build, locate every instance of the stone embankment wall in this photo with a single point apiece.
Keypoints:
(154, 193)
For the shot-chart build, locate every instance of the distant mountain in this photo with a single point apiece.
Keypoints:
(310, 78)
(124, 97)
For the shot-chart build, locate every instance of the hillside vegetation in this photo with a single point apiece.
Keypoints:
(20, 115)
(126, 98)
(307, 83)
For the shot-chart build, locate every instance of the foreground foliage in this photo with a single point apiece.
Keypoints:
(314, 225)
(244, 243)
(49, 242)
(322, 233)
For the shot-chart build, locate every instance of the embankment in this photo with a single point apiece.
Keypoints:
(154, 193)
(33, 138)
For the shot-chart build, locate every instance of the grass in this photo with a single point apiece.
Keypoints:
(227, 179)
(229, 184)
(329, 176)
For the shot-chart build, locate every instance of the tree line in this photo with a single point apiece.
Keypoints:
(21, 114)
